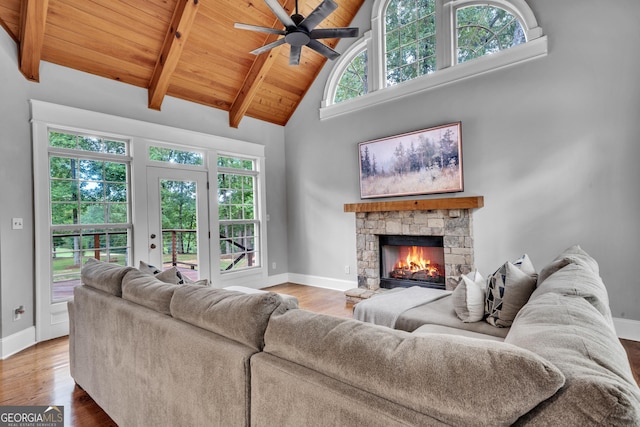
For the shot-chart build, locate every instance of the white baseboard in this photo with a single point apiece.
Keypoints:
(627, 329)
(277, 279)
(17, 342)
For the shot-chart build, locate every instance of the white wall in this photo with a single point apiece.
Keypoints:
(67, 87)
(551, 144)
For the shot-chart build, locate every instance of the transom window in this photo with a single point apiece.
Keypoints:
(483, 30)
(410, 39)
(415, 45)
(353, 82)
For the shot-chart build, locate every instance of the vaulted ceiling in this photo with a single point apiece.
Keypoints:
(188, 49)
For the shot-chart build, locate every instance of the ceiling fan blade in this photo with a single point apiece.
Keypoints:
(259, 29)
(294, 55)
(334, 33)
(323, 49)
(267, 47)
(279, 11)
(323, 10)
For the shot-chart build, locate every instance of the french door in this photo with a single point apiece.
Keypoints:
(178, 221)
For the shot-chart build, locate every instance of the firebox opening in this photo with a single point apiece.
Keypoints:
(407, 261)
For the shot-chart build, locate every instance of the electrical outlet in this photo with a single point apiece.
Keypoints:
(273, 265)
(17, 313)
(347, 269)
(16, 223)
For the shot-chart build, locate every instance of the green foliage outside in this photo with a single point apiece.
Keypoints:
(353, 82)
(410, 38)
(482, 30)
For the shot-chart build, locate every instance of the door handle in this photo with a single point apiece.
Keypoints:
(153, 246)
(153, 236)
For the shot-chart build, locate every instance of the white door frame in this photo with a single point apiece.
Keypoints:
(154, 220)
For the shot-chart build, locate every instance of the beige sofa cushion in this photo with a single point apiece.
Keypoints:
(235, 315)
(146, 290)
(570, 333)
(575, 273)
(448, 330)
(573, 255)
(451, 378)
(441, 312)
(104, 276)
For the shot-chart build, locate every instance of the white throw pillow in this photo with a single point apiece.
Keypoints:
(468, 297)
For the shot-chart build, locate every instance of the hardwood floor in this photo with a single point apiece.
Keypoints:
(40, 375)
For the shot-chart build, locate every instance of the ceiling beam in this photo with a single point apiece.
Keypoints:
(256, 75)
(174, 41)
(33, 19)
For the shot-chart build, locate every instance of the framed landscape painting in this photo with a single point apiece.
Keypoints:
(427, 161)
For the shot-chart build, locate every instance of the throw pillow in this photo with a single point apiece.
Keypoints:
(508, 290)
(171, 275)
(468, 297)
(148, 268)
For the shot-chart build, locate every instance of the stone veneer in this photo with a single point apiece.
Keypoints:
(455, 225)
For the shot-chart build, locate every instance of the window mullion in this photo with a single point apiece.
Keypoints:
(445, 37)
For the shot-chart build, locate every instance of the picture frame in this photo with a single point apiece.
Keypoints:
(427, 161)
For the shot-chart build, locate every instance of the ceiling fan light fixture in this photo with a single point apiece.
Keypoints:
(299, 31)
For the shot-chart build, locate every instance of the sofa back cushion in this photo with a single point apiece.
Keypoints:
(146, 290)
(572, 334)
(450, 378)
(235, 315)
(575, 273)
(572, 255)
(104, 276)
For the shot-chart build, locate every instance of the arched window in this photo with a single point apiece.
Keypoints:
(410, 39)
(483, 29)
(416, 45)
(353, 82)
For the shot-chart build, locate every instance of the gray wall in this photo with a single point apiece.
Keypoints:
(551, 144)
(67, 87)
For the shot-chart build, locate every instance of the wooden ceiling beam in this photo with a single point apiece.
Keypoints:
(33, 19)
(256, 75)
(174, 42)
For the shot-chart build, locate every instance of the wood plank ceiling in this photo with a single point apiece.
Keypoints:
(187, 49)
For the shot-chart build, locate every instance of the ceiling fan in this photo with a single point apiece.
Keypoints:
(300, 31)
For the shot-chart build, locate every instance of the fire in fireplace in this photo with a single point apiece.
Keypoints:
(412, 261)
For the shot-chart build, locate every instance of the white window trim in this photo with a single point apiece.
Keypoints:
(141, 135)
(364, 43)
(448, 72)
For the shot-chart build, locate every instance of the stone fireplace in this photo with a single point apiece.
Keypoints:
(448, 218)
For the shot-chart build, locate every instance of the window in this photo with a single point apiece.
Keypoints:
(416, 45)
(410, 39)
(237, 213)
(353, 82)
(172, 155)
(88, 205)
(483, 30)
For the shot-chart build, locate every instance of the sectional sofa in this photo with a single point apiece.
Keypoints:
(152, 353)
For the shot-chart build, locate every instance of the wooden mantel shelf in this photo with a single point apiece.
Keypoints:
(417, 205)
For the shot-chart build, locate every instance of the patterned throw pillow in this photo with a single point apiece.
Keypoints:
(508, 289)
(171, 275)
(469, 297)
(148, 268)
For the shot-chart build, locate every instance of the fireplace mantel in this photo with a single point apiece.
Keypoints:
(417, 204)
